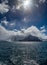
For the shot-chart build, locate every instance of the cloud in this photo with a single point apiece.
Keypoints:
(44, 30)
(36, 5)
(13, 8)
(33, 30)
(26, 19)
(5, 1)
(5, 34)
(8, 24)
(4, 8)
(12, 24)
(4, 22)
(43, 27)
(42, 1)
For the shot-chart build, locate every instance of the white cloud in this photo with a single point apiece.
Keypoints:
(26, 19)
(5, 1)
(13, 8)
(18, 7)
(5, 34)
(42, 1)
(33, 30)
(36, 5)
(12, 24)
(43, 27)
(4, 22)
(4, 8)
(7, 23)
(44, 30)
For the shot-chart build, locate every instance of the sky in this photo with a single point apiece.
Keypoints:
(17, 15)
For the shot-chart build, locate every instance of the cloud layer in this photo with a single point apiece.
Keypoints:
(33, 30)
(4, 8)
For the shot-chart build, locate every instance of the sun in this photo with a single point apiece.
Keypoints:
(26, 4)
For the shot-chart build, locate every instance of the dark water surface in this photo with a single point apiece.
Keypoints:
(23, 53)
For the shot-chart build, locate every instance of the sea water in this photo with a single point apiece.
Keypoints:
(23, 53)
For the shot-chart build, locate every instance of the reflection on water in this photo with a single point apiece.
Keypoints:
(23, 53)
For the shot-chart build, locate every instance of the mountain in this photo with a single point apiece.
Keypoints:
(26, 38)
(31, 38)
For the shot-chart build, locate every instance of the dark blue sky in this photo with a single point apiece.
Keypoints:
(24, 17)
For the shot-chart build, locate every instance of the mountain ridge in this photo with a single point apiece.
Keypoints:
(26, 38)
